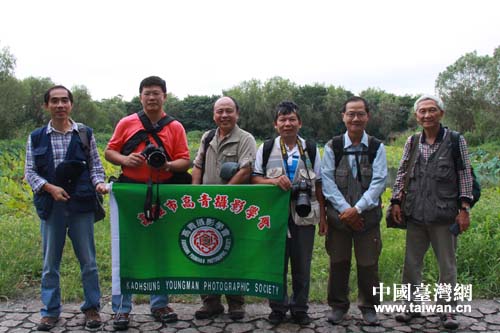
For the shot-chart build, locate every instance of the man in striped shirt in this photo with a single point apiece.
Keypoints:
(65, 175)
(438, 195)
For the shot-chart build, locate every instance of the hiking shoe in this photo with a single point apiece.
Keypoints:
(449, 321)
(301, 318)
(370, 318)
(206, 311)
(405, 317)
(336, 316)
(276, 317)
(165, 314)
(121, 321)
(236, 311)
(47, 323)
(92, 319)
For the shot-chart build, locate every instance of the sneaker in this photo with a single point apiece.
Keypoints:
(206, 311)
(92, 319)
(301, 318)
(405, 317)
(236, 311)
(47, 323)
(449, 321)
(276, 317)
(370, 318)
(165, 314)
(336, 316)
(120, 321)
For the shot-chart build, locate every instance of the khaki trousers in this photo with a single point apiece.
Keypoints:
(444, 243)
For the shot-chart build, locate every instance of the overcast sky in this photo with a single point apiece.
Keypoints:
(201, 47)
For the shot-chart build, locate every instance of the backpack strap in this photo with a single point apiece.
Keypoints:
(268, 147)
(206, 143)
(311, 151)
(266, 152)
(84, 132)
(373, 146)
(338, 148)
(455, 149)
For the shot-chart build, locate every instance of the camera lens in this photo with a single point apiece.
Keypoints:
(301, 193)
(303, 204)
(156, 159)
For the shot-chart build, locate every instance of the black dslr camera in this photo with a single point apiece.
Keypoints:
(155, 156)
(301, 193)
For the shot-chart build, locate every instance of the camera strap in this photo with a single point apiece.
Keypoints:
(154, 129)
(302, 154)
(149, 213)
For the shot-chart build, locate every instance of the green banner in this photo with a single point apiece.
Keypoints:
(227, 239)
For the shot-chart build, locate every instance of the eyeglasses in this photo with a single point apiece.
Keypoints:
(352, 115)
(154, 93)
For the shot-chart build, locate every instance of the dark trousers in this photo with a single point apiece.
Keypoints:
(215, 299)
(299, 252)
(367, 248)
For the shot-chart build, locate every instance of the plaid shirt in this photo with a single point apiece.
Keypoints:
(426, 150)
(60, 142)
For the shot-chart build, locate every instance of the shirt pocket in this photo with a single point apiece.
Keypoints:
(230, 155)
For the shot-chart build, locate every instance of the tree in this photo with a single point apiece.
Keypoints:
(7, 63)
(254, 116)
(84, 108)
(463, 87)
(11, 106)
(34, 90)
(196, 112)
(110, 111)
(311, 100)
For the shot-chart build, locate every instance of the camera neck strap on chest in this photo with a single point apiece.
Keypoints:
(303, 157)
(152, 213)
(154, 129)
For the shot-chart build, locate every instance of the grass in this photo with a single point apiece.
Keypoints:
(478, 252)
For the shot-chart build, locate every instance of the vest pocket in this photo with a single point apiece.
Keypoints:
(444, 171)
(366, 176)
(41, 160)
(341, 178)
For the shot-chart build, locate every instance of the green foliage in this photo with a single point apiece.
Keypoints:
(7, 63)
(34, 114)
(388, 113)
(469, 89)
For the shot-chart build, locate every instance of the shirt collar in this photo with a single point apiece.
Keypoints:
(50, 129)
(228, 135)
(439, 137)
(301, 140)
(348, 142)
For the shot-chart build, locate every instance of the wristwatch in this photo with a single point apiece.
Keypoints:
(358, 209)
(467, 209)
